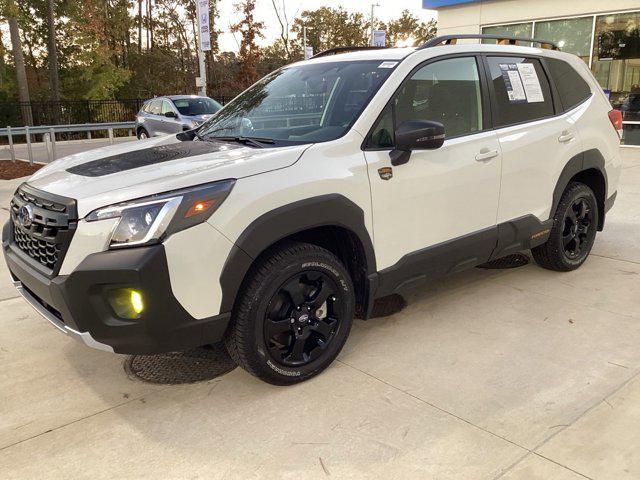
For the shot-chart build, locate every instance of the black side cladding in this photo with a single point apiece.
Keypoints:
(325, 210)
(147, 156)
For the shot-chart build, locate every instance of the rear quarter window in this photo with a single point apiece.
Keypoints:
(521, 90)
(572, 88)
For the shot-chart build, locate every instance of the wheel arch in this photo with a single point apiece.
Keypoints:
(587, 167)
(330, 221)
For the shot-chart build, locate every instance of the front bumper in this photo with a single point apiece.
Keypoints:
(77, 304)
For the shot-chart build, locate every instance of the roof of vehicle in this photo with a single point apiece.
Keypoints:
(182, 97)
(401, 53)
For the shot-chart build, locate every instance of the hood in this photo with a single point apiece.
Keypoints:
(198, 118)
(136, 169)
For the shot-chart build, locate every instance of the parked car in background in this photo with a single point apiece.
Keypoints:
(173, 114)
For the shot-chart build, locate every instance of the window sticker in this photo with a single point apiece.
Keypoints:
(531, 82)
(387, 64)
(513, 83)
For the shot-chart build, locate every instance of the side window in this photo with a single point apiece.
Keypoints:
(572, 88)
(446, 91)
(166, 107)
(155, 107)
(383, 135)
(521, 89)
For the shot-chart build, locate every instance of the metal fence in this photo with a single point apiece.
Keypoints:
(49, 133)
(69, 112)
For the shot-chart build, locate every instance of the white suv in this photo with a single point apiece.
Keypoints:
(328, 184)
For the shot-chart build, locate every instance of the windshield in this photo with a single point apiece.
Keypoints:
(196, 106)
(301, 104)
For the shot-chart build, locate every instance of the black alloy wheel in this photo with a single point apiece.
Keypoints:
(302, 319)
(577, 222)
(293, 313)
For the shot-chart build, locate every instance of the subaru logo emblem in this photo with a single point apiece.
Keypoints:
(303, 318)
(25, 215)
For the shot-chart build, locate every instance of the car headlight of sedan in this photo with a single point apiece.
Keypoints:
(151, 219)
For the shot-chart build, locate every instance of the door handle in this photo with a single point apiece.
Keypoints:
(486, 154)
(566, 136)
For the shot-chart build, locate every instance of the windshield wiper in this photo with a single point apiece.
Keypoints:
(258, 142)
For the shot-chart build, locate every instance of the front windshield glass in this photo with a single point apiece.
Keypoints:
(196, 106)
(301, 104)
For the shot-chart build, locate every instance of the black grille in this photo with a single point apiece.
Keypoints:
(48, 236)
(45, 252)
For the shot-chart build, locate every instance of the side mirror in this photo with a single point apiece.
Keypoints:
(416, 135)
(170, 114)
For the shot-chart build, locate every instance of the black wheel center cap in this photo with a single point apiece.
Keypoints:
(304, 318)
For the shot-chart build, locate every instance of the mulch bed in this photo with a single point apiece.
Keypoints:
(10, 170)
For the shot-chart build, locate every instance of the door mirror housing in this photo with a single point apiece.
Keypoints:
(416, 135)
(170, 114)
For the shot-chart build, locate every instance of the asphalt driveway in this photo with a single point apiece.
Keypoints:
(514, 374)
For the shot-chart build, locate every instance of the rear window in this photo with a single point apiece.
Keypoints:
(572, 88)
(521, 90)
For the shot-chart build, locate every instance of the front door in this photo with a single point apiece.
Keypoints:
(170, 124)
(436, 213)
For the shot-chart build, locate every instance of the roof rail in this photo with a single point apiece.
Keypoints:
(502, 39)
(336, 50)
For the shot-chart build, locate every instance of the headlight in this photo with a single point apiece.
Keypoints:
(151, 219)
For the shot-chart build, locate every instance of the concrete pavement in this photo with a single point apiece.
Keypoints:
(515, 374)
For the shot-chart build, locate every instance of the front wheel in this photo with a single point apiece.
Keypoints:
(142, 134)
(293, 315)
(574, 230)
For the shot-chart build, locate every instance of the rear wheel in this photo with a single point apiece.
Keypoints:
(293, 315)
(574, 230)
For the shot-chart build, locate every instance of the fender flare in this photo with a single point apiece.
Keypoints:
(325, 210)
(589, 159)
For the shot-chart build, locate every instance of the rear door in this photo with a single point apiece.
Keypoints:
(536, 138)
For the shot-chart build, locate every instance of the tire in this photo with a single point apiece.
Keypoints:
(143, 134)
(280, 331)
(574, 230)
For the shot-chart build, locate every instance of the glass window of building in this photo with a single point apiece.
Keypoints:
(513, 30)
(616, 65)
(572, 35)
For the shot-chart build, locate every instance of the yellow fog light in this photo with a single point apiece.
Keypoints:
(136, 302)
(126, 303)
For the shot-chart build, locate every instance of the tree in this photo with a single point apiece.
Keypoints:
(53, 60)
(249, 54)
(409, 29)
(329, 27)
(18, 60)
(283, 20)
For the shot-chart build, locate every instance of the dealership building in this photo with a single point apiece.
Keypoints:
(606, 35)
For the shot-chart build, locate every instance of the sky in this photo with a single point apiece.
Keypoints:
(387, 10)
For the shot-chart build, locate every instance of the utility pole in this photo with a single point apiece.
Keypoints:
(373, 5)
(201, 64)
